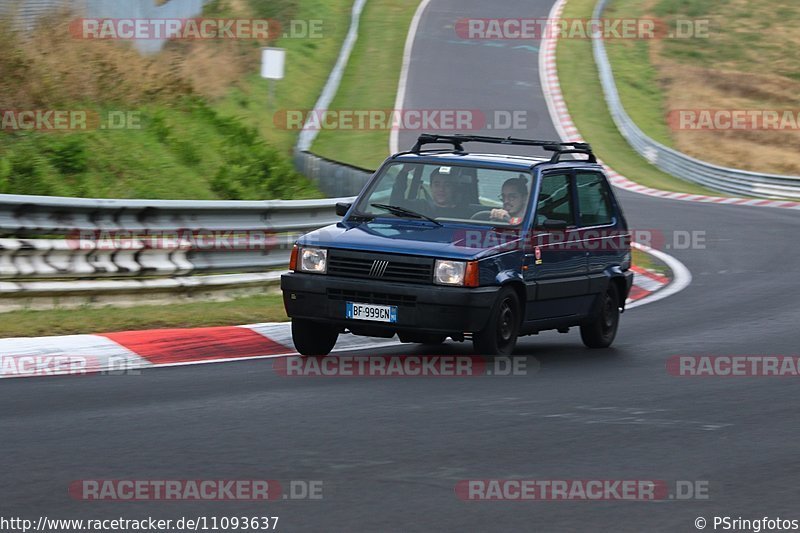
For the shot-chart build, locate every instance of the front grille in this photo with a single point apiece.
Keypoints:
(369, 297)
(385, 267)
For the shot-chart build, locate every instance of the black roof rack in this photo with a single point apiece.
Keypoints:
(458, 140)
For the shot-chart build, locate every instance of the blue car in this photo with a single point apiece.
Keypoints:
(484, 247)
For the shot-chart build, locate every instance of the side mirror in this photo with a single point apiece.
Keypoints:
(552, 224)
(342, 208)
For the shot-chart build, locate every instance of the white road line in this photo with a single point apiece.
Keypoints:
(545, 79)
(308, 133)
(681, 277)
(394, 135)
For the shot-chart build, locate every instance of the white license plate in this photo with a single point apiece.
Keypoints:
(377, 313)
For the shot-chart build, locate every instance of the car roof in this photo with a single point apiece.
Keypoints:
(507, 161)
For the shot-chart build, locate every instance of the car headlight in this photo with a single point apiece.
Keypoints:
(447, 272)
(314, 260)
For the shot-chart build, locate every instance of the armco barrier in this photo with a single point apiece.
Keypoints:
(729, 180)
(68, 246)
(333, 178)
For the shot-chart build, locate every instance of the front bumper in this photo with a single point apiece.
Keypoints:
(420, 308)
(628, 274)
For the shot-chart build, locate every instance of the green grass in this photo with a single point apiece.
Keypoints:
(182, 151)
(369, 82)
(743, 37)
(648, 262)
(580, 85)
(737, 40)
(636, 79)
(308, 63)
(745, 59)
(191, 144)
(248, 310)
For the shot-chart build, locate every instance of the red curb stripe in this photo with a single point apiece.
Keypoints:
(637, 293)
(162, 346)
(652, 275)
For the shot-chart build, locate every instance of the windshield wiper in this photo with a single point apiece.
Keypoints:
(361, 217)
(403, 212)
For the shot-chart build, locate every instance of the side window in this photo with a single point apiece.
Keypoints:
(555, 200)
(594, 201)
(395, 187)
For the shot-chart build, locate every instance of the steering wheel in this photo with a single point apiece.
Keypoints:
(482, 215)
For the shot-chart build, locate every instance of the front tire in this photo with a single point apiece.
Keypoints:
(499, 337)
(601, 331)
(313, 338)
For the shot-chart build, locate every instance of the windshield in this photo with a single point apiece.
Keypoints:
(448, 192)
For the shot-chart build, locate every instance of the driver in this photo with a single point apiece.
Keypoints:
(514, 196)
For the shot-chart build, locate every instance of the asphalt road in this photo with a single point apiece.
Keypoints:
(390, 451)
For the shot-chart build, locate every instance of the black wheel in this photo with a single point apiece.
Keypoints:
(499, 337)
(313, 338)
(600, 331)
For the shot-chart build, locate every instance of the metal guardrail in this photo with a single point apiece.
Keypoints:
(308, 134)
(333, 178)
(69, 245)
(729, 180)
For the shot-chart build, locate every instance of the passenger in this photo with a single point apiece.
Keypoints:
(515, 198)
(444, 193)
(443, 189)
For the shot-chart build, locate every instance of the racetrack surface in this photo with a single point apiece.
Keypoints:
(390, 451)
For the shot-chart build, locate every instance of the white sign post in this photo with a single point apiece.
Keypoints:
(273, 61)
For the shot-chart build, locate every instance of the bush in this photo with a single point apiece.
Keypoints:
(67, 153)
